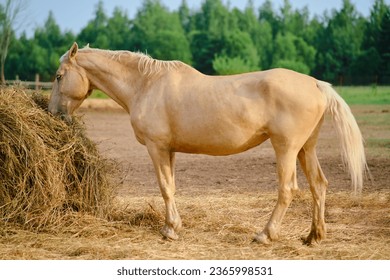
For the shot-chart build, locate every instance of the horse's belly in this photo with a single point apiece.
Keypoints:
(212, 143)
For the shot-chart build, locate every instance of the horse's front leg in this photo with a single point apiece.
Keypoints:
(164, 161)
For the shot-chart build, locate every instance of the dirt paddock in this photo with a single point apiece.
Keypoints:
(223, 202)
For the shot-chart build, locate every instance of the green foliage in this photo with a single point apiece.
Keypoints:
(293, 53)
(238, 44)
(224, 65)
(343, 39)
(95, 33)
(292, 65)
(340, 46)
(160, 33)
(40, 54)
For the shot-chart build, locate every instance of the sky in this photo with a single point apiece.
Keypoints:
(73, 15)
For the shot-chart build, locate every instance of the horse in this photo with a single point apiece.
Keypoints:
(174, 108)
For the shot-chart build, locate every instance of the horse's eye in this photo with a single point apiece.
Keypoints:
(58, 77)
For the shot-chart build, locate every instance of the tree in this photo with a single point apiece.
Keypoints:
(341, 42)
(204, 48)
(95, 33)
(267, 14)
(293, 21)
(237, 46)
(224, 65)
(339, 46)
(260, 33)
(384, 44)
(119, 29)
(213, 18)
(210, 26)
(34, 59)
(10, 14)
(369, 65)
(49, 44)
(159, 32)
(223, 39)
(294, 53)
(185, 17)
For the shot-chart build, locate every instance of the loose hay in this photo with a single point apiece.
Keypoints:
(48, 167)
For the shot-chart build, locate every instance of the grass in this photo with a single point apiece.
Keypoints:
(374, 122)
(365, 95)
(98, 94)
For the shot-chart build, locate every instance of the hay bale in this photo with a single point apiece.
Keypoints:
(47, 167)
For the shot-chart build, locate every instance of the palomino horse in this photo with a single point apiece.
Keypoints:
(174, 108)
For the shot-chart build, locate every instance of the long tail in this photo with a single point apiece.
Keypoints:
(348, 132)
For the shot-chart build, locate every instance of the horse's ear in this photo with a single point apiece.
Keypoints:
(73, 50)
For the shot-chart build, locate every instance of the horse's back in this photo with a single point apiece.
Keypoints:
(268, 94)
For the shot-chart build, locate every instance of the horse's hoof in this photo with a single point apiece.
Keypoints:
(306, 241)
(314, 237)
(311, 241)
(262, 238)
(169, 233)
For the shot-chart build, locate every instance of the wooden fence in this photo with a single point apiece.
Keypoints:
(37, 84)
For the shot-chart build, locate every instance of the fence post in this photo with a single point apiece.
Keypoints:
(36, 81)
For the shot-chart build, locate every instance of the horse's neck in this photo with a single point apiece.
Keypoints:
(112, 77)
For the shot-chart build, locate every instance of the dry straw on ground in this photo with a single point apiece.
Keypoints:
(48, 168)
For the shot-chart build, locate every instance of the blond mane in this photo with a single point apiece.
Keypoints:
(146, 64)
(150, 66)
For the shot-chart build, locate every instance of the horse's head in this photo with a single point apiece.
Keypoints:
(71, 85)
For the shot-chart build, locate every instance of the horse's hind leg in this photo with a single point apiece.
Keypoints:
(286, 165)
(318, 184)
